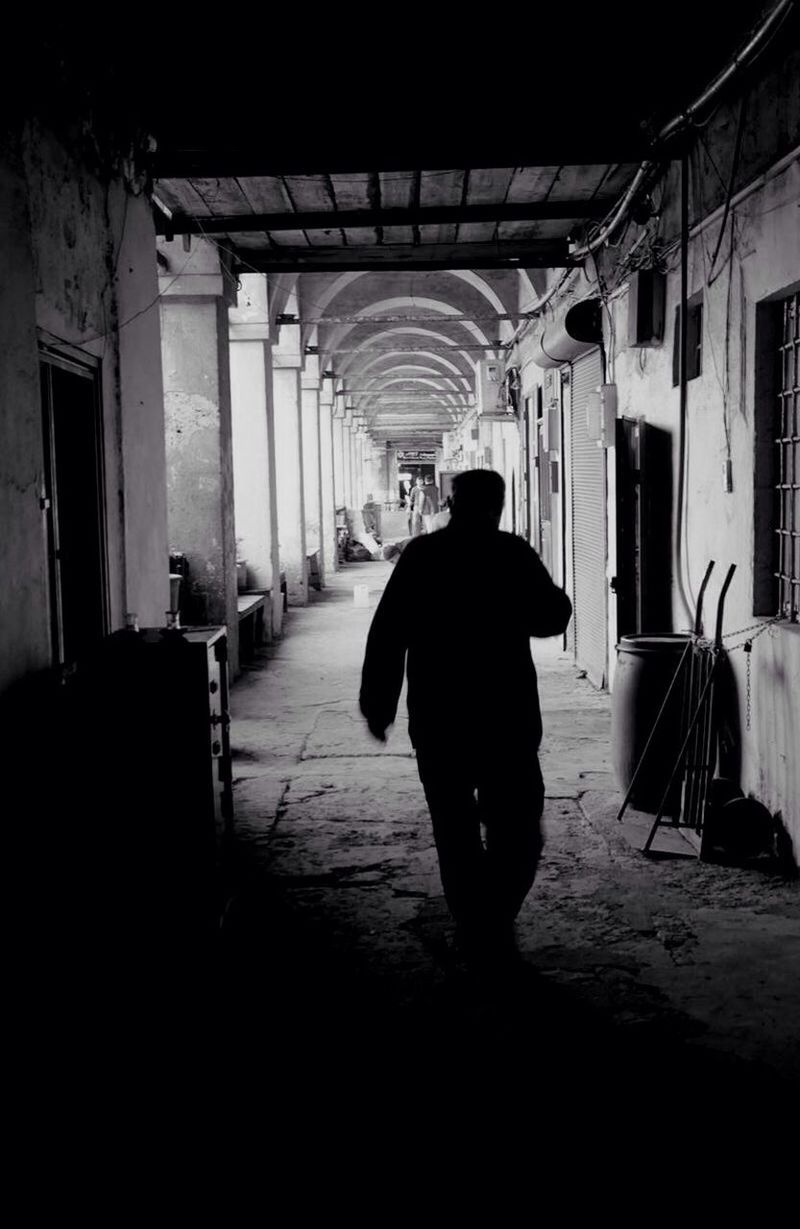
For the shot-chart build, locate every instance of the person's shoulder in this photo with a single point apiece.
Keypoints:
(513, 542)
(516, 548)
(413, 550)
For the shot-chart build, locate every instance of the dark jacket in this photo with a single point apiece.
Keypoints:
(461, 605)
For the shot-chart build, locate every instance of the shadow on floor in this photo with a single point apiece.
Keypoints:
(348, 1019)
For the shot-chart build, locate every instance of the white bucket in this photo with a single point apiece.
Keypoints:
(361, 595)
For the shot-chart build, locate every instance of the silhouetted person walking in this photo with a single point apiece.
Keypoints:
(473, 704)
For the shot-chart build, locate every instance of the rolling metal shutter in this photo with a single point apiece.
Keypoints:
(589, 528)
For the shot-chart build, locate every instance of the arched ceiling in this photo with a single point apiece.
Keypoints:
(404, 348)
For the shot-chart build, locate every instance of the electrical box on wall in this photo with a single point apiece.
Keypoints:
(551, 426)
(601, 415)
(491, 393)
(646, 299)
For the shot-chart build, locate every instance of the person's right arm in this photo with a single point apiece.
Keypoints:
(384, 659)
(548, 609)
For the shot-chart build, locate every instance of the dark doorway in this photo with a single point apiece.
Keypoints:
(75, 507)
(525, 478)
(627, 584)
(642, 584)
(544, 486)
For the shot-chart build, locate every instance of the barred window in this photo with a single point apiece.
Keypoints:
(787, 443)
(776, 564)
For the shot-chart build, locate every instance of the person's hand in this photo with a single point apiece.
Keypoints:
(377, 731)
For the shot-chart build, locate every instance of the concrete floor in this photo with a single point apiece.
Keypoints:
(651, 986)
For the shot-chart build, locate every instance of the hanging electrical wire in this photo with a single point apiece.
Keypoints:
(686, 119)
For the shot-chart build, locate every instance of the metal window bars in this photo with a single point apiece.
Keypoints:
(787, 443)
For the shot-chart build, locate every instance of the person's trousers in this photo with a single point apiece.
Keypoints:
(485, 878)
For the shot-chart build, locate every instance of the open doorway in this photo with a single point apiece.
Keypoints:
(74, 502)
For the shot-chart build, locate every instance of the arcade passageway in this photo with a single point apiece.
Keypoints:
(662, 981)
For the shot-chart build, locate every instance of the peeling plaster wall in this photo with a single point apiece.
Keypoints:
(78, 262)
(200, 455)
(720, 525)
(25, 642)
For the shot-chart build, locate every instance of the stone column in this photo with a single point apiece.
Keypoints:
(255, 488)
(363, 452)
(347, 437)
(338, 462)
(354, 465)
(312, 474)
(328, 520)
(197, 412)
(287, 397)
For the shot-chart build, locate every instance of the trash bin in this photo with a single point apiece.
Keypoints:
(646, 665)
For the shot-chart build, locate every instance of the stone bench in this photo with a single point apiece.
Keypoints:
(252, 630)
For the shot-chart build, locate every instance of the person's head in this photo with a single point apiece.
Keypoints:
(419, 479)
(428, 479)
(478, 497)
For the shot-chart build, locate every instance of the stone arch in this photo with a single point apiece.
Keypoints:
(395, 332)
(393, 355)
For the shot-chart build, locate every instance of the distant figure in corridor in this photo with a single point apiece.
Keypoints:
(415, 527)
(371, 512)
(473, 703)
(429, 503)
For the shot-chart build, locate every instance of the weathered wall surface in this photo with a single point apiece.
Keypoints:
(25, 642)
(196, 293)
(197, 491)
(78, 257)
(719, 524)
(144, 479)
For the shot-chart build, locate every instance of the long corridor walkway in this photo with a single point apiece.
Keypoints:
(662, 982)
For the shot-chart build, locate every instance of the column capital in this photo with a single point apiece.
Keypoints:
(286, 347)
(201, 274)
(248, 317)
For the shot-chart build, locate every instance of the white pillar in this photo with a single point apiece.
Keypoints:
(338, 463)
(328, 510)
(359, 470)
(197, 413)
(311, 462)
(289, 467)
(347, 449)
(349, 466)
(255, 489)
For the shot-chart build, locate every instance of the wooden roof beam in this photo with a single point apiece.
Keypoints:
(544, 255)
(529, 211)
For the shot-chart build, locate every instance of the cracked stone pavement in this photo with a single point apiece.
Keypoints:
(647, 981)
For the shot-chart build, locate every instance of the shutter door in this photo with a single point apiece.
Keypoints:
(589, 529)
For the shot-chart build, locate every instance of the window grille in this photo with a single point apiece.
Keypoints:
(787, 442)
